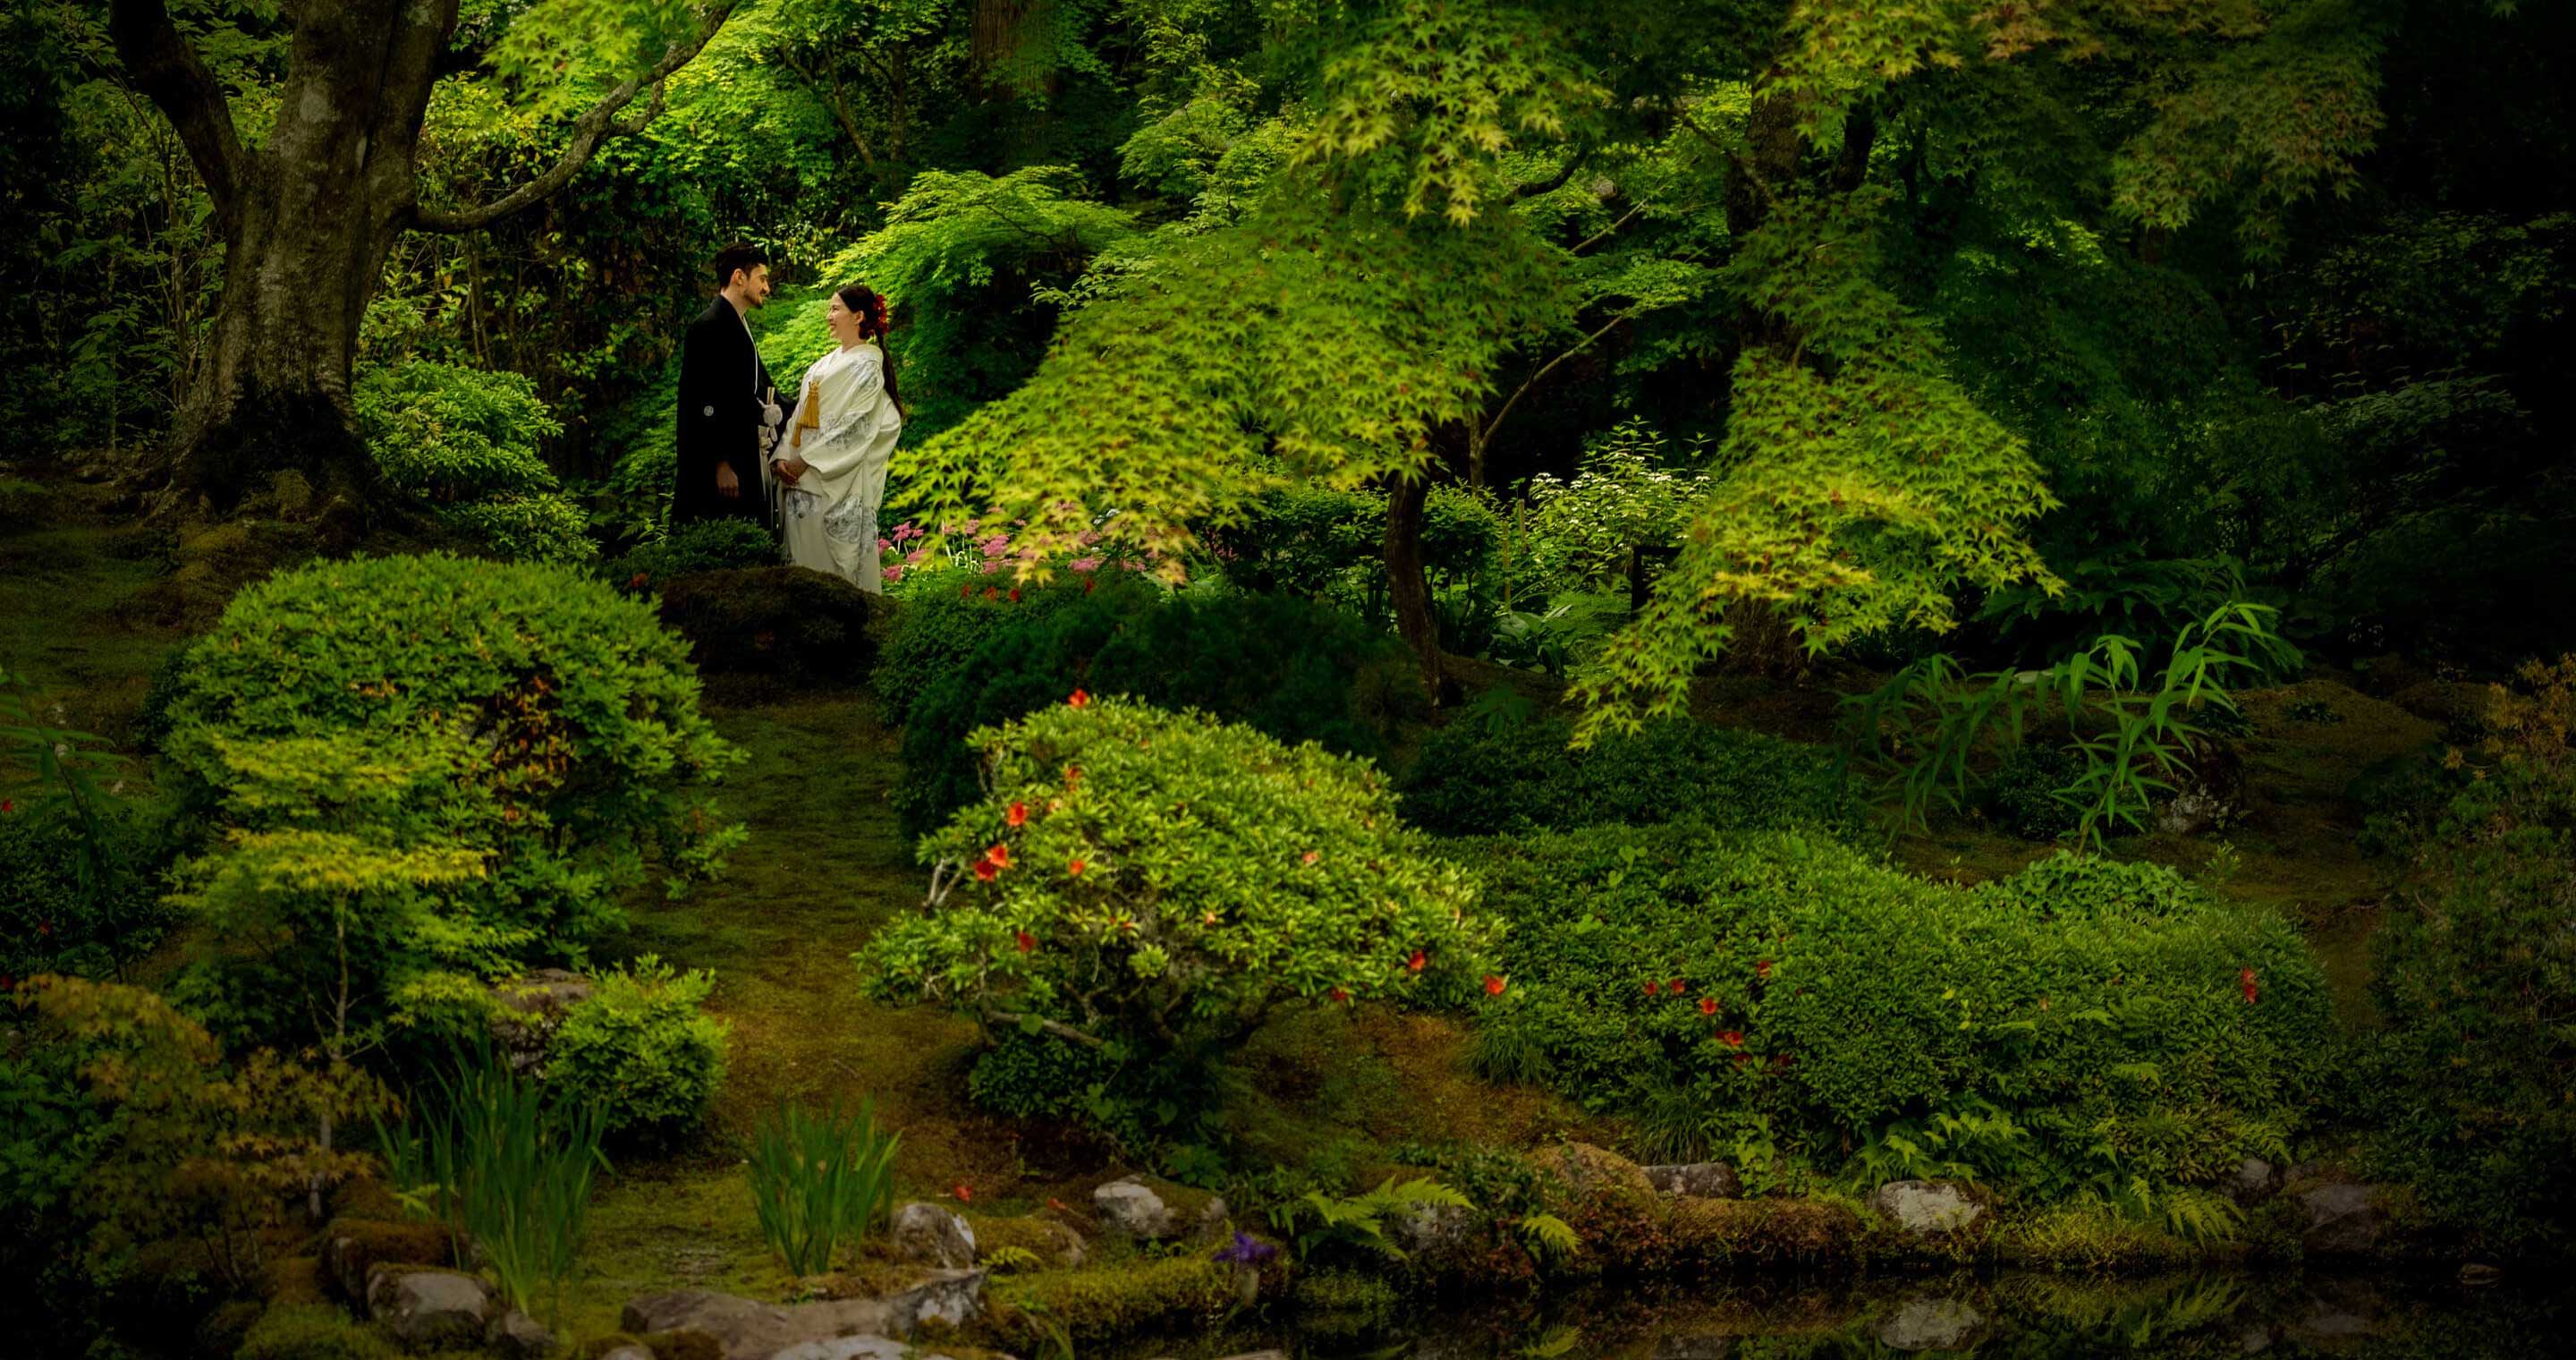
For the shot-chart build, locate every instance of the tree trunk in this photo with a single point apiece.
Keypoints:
(1408, 589)
(302, 262)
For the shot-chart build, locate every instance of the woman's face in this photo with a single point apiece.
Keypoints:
(843, 321)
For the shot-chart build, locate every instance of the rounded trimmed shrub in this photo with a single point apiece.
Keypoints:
(575, 712)
(640, 1049)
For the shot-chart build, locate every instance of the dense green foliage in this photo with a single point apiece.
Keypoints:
(467, 441)
(1779, 1000)
(1505, 769)
(639, 1049)
(425, 770)
(1297, 671)
(2476, 972)
(58, 916)
(1149, 885)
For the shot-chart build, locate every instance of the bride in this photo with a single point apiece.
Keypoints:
(829, 473)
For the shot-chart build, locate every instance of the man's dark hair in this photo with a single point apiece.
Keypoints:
(739, 255)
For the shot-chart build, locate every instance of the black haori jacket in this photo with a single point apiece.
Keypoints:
(722, 383)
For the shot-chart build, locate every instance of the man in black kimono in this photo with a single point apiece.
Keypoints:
(728, 408)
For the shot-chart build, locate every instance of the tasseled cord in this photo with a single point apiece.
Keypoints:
(809, 413)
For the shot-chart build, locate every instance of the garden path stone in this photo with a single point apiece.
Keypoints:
(2343, 1220)
(1705, 1180)
(933, 1236)
(745, 1329)
(1931, 1324)
(428, 1309)
(1927, 1208)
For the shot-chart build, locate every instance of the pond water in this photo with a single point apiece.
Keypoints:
(2427, 1314)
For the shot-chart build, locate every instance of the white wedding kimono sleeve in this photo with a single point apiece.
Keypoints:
(831, 513)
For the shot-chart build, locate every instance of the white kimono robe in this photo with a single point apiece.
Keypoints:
(829, 517)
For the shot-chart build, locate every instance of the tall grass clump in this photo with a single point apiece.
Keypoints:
(819, 1178)
(498, 1163)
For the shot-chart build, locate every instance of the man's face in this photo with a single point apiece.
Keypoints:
(755, 284)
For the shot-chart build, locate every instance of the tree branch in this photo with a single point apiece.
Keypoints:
(160, 62)
(1057, 1028)
(588, 131)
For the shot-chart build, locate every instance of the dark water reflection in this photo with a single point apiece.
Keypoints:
(2013, 1315)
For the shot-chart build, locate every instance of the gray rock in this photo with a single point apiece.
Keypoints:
(933, 1236)
(628, 1353)
(1706, 1180)
(516, 1336)
(425, 1309)
(1439, 1238)
(955, 1297)
(1930, 1324)
(2343, 1220)
(1927, 1208)
(1131, 1208)
(2255, 1181)
(1711, 1347)
(741, 1328)
(848, 1348)
(528, 1010)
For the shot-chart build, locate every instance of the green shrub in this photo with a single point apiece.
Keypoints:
(2475, 968)
(937, 632)
(56, 919)
(1504, 767)
(1328, 542)
(466, 440)
(2022, 792)
(1150, 884)
(1291, 668)
(312, 1331)
(640, 1049)
(1827, 1001)
(499, 746)
(705, 545)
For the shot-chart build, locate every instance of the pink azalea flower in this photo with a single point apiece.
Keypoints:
(1084, 564)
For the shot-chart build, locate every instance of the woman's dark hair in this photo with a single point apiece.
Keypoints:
(869, 306)
(739, 255)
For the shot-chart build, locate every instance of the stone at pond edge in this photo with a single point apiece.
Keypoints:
(1930, 1324)
(2254, 1181)
(1706, 1180)
(783, 621)
(1438, 1239)
(353, 1247)
(1927, 1208)
(2343, 1220)
(933, 1236)
(427, 1309)
(516, 1336)
(1053, 1243)
(744, 1329)
(1151, 1211)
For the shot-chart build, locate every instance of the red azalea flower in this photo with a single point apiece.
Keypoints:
(1015, 594)
(1339, 995)
(1018, 815)
(963, 1191)
(7, 806)
(1072, 775)
(2245, 980)
(1056, 1204)
(1493, 985)
(998, 855)
(1073, 868)
(1732, 1038)
(1309, 857)
(1414, 964)
(1024, 940)
(1708, 1005)
(44, 927)
(984, 871)
(1743, 1058)
(992, 592)
(1781, 1061)
(1654, 988)
(1088, 582)
(638, 581)
(1676, 986)
(966, 591)
(1762, 969)
(8, 983)
(1079, 699)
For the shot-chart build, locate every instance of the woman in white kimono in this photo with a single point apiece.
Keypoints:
(830, 471)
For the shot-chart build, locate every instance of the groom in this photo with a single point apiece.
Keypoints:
(728, 408)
